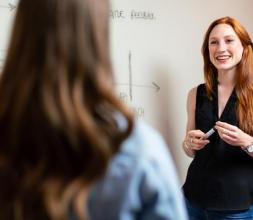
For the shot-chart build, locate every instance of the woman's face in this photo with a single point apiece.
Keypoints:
(225, 47)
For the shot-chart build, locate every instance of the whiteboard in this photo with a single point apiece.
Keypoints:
(139, 51)
(155, 46)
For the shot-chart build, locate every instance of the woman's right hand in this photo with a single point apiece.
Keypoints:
(195, 140)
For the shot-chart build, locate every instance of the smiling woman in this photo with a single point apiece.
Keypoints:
(219, 183)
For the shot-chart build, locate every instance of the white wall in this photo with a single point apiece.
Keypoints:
(159, 50)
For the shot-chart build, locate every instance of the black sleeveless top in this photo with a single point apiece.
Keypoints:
(220, 177)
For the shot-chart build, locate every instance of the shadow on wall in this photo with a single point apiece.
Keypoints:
(171, 113)
(164, 107)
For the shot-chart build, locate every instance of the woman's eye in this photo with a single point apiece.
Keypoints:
(229, 40)
(213, 42)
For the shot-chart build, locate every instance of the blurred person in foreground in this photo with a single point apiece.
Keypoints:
(66, 140)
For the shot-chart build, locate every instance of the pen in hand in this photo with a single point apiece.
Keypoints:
(208, 134)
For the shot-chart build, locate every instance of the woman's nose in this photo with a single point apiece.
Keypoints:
(222, 46)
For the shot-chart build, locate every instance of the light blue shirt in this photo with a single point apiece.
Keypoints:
(140, 183)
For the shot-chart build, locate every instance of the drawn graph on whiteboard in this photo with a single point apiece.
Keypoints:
(127, 96)
(8, 5)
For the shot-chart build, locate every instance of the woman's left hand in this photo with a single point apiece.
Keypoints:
(233, 135)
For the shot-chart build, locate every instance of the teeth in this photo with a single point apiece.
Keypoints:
(222, 57)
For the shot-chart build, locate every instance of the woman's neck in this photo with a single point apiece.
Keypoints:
(226, 77)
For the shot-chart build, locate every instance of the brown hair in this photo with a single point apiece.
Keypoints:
(244, 76)
(58, 107)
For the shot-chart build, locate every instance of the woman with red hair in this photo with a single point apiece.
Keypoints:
(219, 183)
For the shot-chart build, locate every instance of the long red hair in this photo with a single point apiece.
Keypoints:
(244, 76)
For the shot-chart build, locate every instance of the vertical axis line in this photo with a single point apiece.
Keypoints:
(130, 75)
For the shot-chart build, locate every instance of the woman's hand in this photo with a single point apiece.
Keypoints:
(233, 135)
(195, 140)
